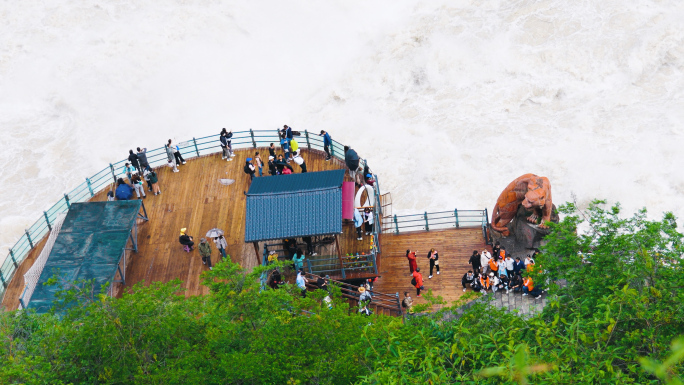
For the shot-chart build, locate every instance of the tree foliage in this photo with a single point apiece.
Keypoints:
(613, 317)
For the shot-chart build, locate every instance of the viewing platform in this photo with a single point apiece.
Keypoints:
(195, 199)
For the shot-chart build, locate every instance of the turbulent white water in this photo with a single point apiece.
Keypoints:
(448, 100)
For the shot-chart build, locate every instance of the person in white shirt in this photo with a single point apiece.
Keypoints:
(301, 282)
(509, 265)
(484, 260)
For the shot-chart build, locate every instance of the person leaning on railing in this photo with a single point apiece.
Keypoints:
(327, 142)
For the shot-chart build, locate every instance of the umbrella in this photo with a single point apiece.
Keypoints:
(213, 233)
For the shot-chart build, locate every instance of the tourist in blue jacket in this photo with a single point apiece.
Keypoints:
(518, 266)
(327, 142)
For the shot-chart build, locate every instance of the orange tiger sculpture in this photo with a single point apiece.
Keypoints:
(533, 192)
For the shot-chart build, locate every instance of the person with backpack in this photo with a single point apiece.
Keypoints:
(285, 145)
(411, 256)
(417, 281)
(249, 169)
(407, 303)
(327, 142)
(365, 297)
(205, 252)
(185, 240)
(154, 181)
(433, 257)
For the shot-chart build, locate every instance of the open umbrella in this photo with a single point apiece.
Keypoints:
(213, 233)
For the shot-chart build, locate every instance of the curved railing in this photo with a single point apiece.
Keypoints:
(194, 147)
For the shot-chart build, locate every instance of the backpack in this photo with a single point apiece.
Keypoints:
(413, 281)
(247, 169)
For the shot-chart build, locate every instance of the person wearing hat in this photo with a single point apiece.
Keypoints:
(249, 169)
(327, 142)
(364, 298)
(271, 165)
(185, 239)
(205, 252)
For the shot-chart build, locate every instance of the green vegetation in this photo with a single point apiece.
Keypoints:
(616, 321)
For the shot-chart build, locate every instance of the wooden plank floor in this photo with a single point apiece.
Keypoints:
(16, 286)
(192, 198)
(455, 246)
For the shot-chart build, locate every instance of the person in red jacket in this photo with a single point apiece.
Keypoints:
(418, 278)
(411, 256)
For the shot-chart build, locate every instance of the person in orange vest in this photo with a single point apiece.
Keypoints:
(528, 288)
(411, 256)
(494, 266)
(417, 281)
(484, 282)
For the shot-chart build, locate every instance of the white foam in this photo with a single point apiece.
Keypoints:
(449, 101)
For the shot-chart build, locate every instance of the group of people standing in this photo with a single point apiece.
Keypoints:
(500, 272)
(204, 247)
(417, 280)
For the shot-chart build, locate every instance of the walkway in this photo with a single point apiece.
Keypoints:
(192, 198)
(455, 246)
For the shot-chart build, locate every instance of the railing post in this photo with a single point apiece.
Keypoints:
(28, 236)
(308, 144)
(47, 220)
(427, 226)
(332, 149)
(66, 198)
(344, 276)
(396, 225)
(456, 215)
(90, 188)
(194, 141)
(113, 173)
(14, 260)
(308, 264)
(3, 280)
(251, 132)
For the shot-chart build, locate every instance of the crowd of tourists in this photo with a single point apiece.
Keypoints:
(500, 272)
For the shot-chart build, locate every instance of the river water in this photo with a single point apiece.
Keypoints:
(448, 100)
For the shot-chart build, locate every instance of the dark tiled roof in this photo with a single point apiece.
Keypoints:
(288, 206)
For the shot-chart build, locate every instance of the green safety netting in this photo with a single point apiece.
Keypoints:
(90, 245)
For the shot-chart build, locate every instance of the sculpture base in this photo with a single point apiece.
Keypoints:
(525, 237)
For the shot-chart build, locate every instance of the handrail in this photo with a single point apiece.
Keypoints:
(351, 292)
(191, 148)
(437, 220)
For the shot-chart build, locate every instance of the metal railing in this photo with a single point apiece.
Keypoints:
(437, 221)
(351, 292)
(157, 157)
